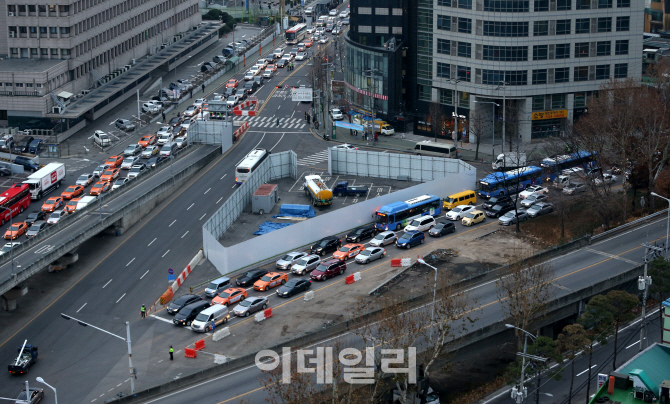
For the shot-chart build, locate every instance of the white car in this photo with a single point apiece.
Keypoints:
(383, 238)
(534, 198)
(85, 179)
(422, 223)
(459, 212)
(149, 152)
(119, 183)
(310, 30)
(607, 178)
(218, 97)
(56, 217)
(149, 108)
(262, 63)
(267, 74)
(345, 146)
(128, 162)
(301, 56)
(333, 13)
(279, 52)
(336, 114)
(250, 75)
(323, 39)
(198, 103)
(163, 130)
(190, 111)
(370, 254)
(533, 189)
(343, 14)
(137, 170)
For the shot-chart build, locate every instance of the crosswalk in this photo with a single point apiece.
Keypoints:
(314, 158)
(271, 122)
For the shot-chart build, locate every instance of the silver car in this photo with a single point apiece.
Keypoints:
(149, 152)
(287, 261)
(119, 183)
(101, 169)
(370, 254)
(129, 162)
(8, 247)
(306, 264)
(533, 198)
(539, 209)
(251, 305)
(383, 238)
(574, 188)
(511, 218)
(36, 228)
(85, 180)
(56, 217)
(137, 170)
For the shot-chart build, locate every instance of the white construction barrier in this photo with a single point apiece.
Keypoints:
(406, 262)
(222, 333)
(357, 276)
(260, 316)
(309, 296)
(220, 359)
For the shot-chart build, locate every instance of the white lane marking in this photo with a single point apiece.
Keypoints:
(165, 253)
(190, 206)
(110, 389)
(121, 298)
(234, 185)
(152, 241)
(172, 223)
(224, 176)
(219, 200)
(259, 142)
(107, 283)
(634, 343)
(201, 217)
(131, 261)
(579, 374)
(185, 234)
(161, 319)
(282, 136)
(81, 307)
(145, 274)
(208, 189)
(119, 385)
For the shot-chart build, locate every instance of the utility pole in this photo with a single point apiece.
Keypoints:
(502, 86)
(643, 283)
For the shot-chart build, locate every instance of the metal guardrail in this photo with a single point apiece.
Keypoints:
(629, 225)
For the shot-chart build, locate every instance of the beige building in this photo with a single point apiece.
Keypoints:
(54, 51)
(657, 16)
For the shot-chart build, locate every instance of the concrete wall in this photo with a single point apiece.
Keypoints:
(305, 233)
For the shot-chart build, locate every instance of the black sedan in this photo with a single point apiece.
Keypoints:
(295, 285)
(153, 162)
(36, 395)
(494, 200)
(500, 209)
(34, 217)
(281, 63)
(250, 277)
(360, 234)
(442, 228)
(179, 303)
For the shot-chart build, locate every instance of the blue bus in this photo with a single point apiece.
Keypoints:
(509, 182)
(553, 166)
(397, 215)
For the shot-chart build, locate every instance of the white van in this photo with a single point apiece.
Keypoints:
(101, 138)
(84, 201)
(428, 148)
(218, 314)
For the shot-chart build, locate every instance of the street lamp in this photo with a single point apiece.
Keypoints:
(667, 226)
(493, 128)
(520, 395)
(455, 82)
(127, 339)
(40, 380)
(432, 313)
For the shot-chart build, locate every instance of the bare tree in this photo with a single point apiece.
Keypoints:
(477, 128)
(524, 291)
(436, 118)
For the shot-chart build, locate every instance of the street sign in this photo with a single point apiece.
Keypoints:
(602, 379)
(301, 94)
(285, 86)
(170, 271)
(171, 278)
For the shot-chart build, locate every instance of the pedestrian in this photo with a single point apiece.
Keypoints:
(143, 311)
(356, 134)
(178, 114)
(277, 121)
(203, 87)
(309, 118)
(376, 135)
(163, 113)
(213, 326)
(171, 353)
(305, 115)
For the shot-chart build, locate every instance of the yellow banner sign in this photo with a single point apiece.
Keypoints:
(561, 113)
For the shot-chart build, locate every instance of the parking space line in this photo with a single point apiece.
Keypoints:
(219, 200)
(172, 223)
(203, 215)
(224, 176)
(121, 298)
(81, 307)
(107, 283)
(160, 318)
(165, 253)
(131, 261)
(208, 189)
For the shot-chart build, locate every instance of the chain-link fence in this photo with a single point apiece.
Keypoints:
(278, 165)
(392, 165)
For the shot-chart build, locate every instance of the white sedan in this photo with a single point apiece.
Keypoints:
(459, 212)
(128, 162)
(301, 56)
(533, 189)
(323, 39)
(336, 114)
(333, 13)
(198, 103)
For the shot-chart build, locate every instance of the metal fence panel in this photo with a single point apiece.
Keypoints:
(218, 133)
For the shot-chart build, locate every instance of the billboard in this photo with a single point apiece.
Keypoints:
(301, 94)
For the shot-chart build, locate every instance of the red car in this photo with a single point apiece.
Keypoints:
(232, 83)
(72, 191)
(100, 187)
(328, 269)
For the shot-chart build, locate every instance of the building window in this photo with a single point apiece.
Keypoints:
(425, 93)
(605, 24)
(364, 29)
(396, 30)
(512, 77)
(581, 73)
(464, 25)
(443, 46)
(463, 73)
(381, 29)
(604, 3)
(562, 75)
(563, 51)
(65, 30)
(602, 72)
(397, 11)
(583, 26)
(53, 30)
(621, 47)
(44, 51)
(54, 52)
(623, 3)
(34, 52)
(506, 6)
(621, 70)
(505, 53)
(18, 84)
(444, 22)
(505, 29)
(623, 23)
(564, 5)
(583, 4)
(540, 52)
(364, 10)
(580, 100)
(540, 28)
(558, 101)
(444, 70)
(29, 85)
(425, 20)
(563, 27)
(464, 49)
(541, 5)
(446, 96)
(582, 49)
(538, 103)
(540, 76)
(467, 4)
(381, 11)
(603, 48)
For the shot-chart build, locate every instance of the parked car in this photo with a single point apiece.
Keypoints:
(533, 198)
(410, 238)
(442, 228)
(370, 254)
(124, 125)
(511, 217)
(336, 114)
(383, 238)
(574, 188)
(539, 209)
